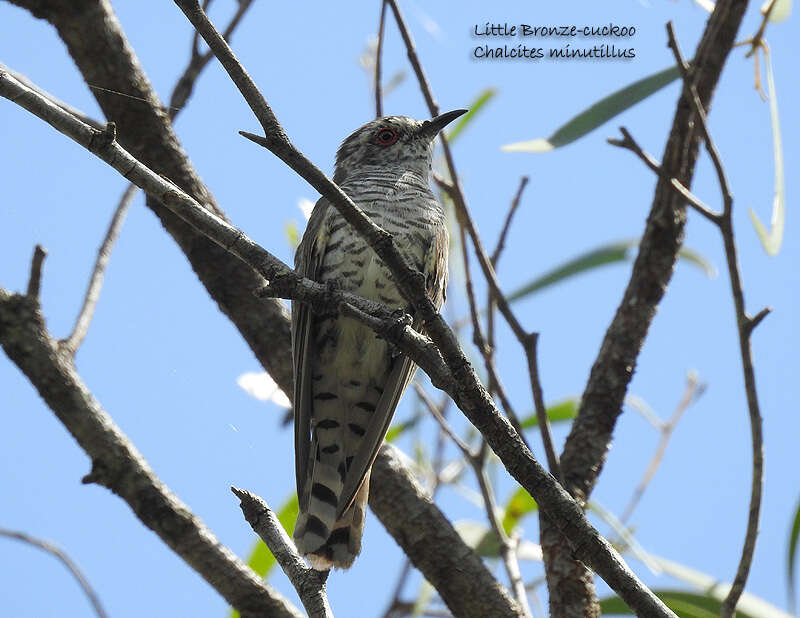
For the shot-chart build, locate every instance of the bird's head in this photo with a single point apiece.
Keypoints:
(391, 141)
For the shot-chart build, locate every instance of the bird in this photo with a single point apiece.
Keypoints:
(348, 381)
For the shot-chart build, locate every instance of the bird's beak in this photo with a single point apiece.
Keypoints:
(430, 128)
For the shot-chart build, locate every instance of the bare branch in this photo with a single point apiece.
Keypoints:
(378, 63)
(530, 345)
(463, 387)
(309, 583)
(117, 465)
(744, 328)
(690, 395)
(145, 130)
(81, 328)
(35, 277)
(65, 560)
(501, 241)
(412, 519)
(601, 403)
(180, 95)
(690, 92)
(695, 202)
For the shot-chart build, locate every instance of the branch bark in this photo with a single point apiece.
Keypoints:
(601, 404)
(309, 583)
(409, 515)
(96, 42)
(118, 466)
(456, 376)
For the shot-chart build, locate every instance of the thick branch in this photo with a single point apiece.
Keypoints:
(117, 465)
(264, 324)
(97, 44)
(601, 404)
(413, 520)
(466, 391)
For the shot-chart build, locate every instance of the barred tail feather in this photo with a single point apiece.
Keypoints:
(329, 544)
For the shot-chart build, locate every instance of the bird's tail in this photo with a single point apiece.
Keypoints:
(329, 544)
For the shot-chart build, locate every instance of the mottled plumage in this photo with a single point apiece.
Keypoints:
(347, 380)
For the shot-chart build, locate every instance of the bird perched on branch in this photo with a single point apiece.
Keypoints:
(348, 381)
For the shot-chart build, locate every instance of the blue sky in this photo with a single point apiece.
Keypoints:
(164, 362)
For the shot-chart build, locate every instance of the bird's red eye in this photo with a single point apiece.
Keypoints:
(386, 137)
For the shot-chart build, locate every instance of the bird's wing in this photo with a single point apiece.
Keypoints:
(400, 375)
(307, 263)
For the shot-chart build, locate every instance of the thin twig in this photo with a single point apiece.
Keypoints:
(378, 61)
(197, 61)
(495, 385)
(530, 344)
(691, 94)
(396, 603)
(692, 200)
(81, 328)
(35, 277)
(65, 560)
(757, 39)
(507, 550)
(691, 393)
(501, 241)
(309, 583)
(437, 414)
(478, 463)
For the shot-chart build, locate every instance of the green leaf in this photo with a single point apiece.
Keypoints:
(292, 235)
(792, 556)
(261, 559)
(711, 587)
(772, 239)
(398, 428)
(685, 604)
(561, 411)
(482, 99)
(519, 505)
(610, 253)
(599, 113)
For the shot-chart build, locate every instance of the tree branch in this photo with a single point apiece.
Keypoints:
(66, 561)
(309, 583)
(145, 130)
(81, 328)
(590, 436)
(745, 326)
(378, 62)
(117, 465)
(465, 389)
(410, 516)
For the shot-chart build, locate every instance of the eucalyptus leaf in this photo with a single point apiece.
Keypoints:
(610, 253)
(474, 108)
(558, 412)
(519, 505)
(684, 604)
(773, 238)
(792, 555)
(599, 113)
